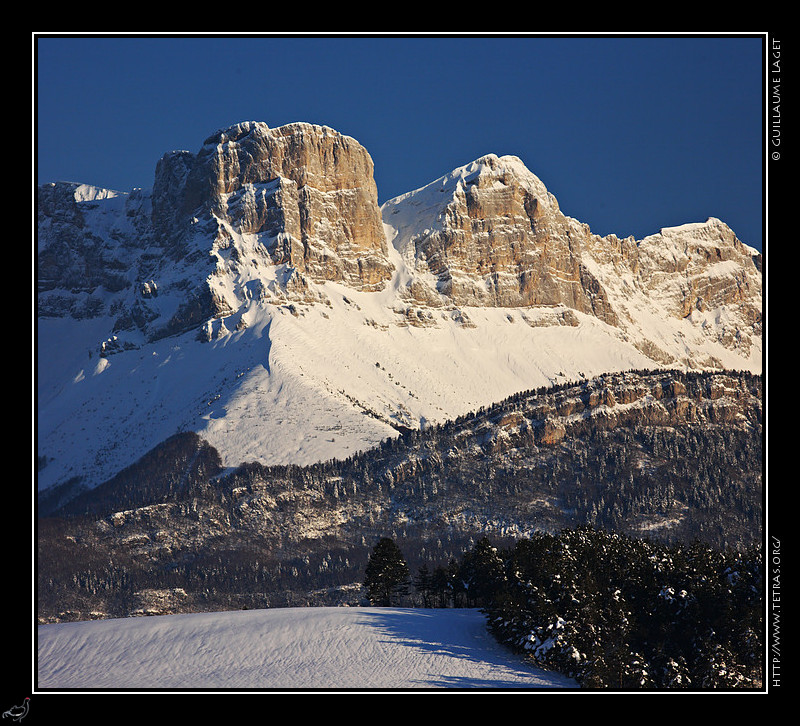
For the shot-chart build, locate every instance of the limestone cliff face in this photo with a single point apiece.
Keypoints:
(286, 207)
(305, 193)
(275, 210)
(705, 266)
(490, 234)
(495, 236)
(699, 273)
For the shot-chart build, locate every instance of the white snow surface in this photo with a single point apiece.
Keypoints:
(286, 649)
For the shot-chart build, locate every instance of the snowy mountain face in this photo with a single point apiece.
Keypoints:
(259, 297)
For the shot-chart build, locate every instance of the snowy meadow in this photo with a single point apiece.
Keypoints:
(286, 649)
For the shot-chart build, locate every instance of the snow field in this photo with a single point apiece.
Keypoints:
(285, 649)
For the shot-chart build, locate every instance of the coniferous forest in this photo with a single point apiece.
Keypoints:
(608, 610)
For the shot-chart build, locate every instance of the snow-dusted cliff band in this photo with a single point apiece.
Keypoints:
(259, 296)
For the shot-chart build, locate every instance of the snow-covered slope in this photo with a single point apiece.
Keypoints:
(294, 368)
(297, 389)
(290, 648)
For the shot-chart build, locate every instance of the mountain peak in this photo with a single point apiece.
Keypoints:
(487, 167)
(238, 131)
(266, 253)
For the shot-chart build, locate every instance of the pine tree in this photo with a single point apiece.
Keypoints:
(482, 573)
(386, 576)
(440, 587)
(423, 584)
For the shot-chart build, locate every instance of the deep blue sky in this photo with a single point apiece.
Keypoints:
(630, 134)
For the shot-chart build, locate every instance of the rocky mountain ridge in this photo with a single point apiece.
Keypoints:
(302, 198)
(260, 278)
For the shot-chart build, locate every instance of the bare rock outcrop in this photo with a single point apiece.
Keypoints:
(493, 235)
(88, 240)
(490, 234)
(305, 193)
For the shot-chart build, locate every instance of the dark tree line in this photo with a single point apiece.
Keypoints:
(611, 611)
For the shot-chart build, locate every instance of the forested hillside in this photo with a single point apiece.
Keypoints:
(669, 456)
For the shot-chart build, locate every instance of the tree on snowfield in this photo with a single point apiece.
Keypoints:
(386, 576)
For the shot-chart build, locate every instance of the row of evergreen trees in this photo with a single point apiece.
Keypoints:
(608, 610)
